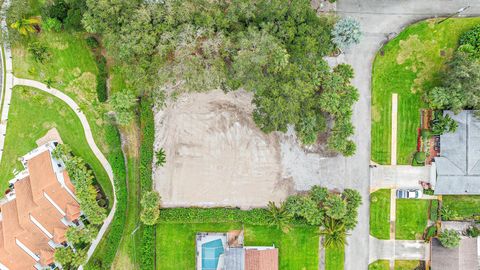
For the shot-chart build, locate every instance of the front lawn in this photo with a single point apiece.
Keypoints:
(408, 65)
(334, 258)
(380, 214)
(411, 218)
(32, 113)
(175, 245)
(406, 265)
(465, 206)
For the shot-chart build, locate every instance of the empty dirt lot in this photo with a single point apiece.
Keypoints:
(216, 156)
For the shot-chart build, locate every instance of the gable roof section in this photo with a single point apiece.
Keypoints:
(41, 174)
(458, 167)
(261, 259)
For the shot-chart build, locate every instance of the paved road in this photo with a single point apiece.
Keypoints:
(378, 18)
(91, 143)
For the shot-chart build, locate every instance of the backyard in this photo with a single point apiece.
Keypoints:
(411, 218)
(298, 249)
(465, 207)
(408, 65)
(380, 214)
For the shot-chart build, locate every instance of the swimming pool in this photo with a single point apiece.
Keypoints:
(211, 252)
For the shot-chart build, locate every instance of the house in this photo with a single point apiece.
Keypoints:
(458, 166)
(225, 251)
(464, 257)
(37, 210)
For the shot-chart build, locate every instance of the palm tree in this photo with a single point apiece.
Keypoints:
(26, 26)
(279, 216)
(334, 233)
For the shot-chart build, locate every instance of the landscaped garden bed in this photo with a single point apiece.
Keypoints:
(464, 207)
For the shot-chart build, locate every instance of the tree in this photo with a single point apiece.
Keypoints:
(346, 32)
(336, 207)
(460, 86)
(334, 233)
(26, 26)
(123, 103)
(279, 216)
(449, 238)
(318, 194)
(443, 124)
(81, 236)
(150, 208)
(70, 259)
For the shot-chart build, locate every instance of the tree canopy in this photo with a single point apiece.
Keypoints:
(273, 48)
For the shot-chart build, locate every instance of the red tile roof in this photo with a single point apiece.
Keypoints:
(31, 204)
(266, 259)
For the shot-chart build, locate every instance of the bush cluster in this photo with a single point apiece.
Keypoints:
(102, 92)
(107, 249)
(257, 216)
(69, 13)
(82, 179)
(471, 39)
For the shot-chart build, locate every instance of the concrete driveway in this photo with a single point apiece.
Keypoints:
(397, 250)
(378, 18)
(398, 176)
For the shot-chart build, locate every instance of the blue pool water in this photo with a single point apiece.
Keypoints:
(211, 252)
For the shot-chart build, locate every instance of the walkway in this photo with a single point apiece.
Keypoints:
(393, 145)
(91, 143)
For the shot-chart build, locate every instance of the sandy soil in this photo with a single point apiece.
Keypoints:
(215, 154)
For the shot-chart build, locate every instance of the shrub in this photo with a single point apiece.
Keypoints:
(472, 38)
(39, 51)
(472, 231)
(52, 24)
(425, 133)
(346, 32)
(92, 42)
(430, 232)
(449, 238)
(448, 214)
(335, 206)
(57, 10)
(150, 207)
(123, 104)
(102, 91)
(443, 124)
(420, 157)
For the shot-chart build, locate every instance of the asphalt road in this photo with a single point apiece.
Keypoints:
(378, 19)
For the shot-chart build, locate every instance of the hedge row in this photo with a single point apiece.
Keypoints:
(102, 93)
(107, 249)
(257, 216)
(146, 159)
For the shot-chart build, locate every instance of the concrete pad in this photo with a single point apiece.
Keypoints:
(400, 176)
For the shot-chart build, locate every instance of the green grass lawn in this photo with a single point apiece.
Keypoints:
(32, 113)
(380, 214)
(464, 206)
(408, 65)
(175, 249)
(334, 258)
(379, 265)
(411, 218)
(406, 265)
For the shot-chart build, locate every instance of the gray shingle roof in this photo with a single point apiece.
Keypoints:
(464, 257)
(458, 167)
(235, 258)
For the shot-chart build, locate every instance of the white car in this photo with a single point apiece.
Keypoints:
(409, 193)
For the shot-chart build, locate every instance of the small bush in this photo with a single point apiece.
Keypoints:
(425, 134)
(472, 38)
(448, 214)
(92, 42)
(473, 231)
(449, 238)
(420, 157)
(39, 52)
(430, 232)
(52, 24)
